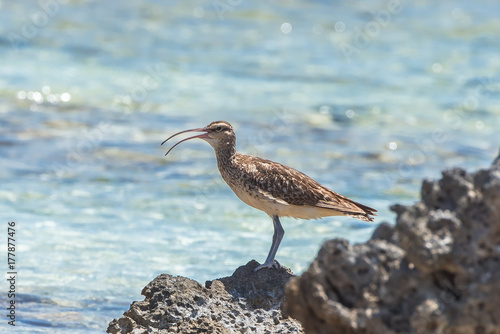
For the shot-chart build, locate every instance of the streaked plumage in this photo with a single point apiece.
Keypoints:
(276, 189)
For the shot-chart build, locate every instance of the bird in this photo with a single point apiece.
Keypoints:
(276, 189)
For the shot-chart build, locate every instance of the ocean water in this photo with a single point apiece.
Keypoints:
(366, 97)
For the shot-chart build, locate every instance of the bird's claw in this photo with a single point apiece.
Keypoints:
(274, 264)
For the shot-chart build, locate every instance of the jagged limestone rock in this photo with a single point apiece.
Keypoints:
(246, 302)
(436, 271)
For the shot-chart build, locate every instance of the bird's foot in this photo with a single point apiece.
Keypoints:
(274, 264)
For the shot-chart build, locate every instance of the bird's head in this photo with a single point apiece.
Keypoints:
(218, 134)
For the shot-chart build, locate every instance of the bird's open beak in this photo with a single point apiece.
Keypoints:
(202, 136)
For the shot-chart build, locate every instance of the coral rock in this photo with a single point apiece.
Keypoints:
(436, 271)
(246, 302)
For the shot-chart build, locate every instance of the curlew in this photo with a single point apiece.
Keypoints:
(276, 189)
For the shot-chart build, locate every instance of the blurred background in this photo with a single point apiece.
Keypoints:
(367, 97)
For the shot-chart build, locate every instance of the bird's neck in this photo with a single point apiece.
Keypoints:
(225, 155)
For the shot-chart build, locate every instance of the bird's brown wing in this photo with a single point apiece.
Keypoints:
(296, 188)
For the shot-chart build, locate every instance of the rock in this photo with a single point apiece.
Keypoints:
(436, 271)
(246, 302)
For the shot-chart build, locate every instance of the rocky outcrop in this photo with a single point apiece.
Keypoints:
(436, 271)
(246, 302)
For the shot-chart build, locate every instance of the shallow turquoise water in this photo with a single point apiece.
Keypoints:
(367, 104)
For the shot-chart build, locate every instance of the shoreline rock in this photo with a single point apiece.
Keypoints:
(436, 271)
(246, 302)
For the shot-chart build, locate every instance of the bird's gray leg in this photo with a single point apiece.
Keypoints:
(279, 232)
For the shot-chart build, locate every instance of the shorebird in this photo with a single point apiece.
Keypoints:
(276, 189)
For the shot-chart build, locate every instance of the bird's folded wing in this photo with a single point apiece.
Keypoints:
(341, 207)
(347, 206)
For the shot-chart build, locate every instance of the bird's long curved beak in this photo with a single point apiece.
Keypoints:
(202, 136)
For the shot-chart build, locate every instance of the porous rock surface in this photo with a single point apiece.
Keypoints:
(246, 302)
(436, 271)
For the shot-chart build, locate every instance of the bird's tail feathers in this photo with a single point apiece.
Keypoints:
(365, 217)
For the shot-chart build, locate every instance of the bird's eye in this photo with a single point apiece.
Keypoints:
(218, 129)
